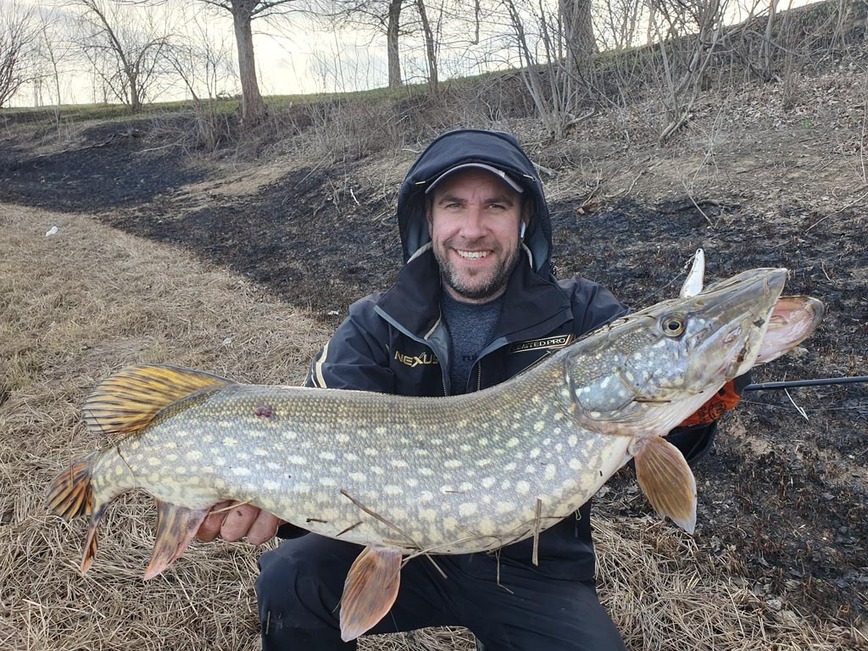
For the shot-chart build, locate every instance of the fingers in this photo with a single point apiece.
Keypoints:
(238, 522)
(263, 529)
(233, 521)
(210, 528)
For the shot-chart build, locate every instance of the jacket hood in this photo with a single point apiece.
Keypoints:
(495, 148)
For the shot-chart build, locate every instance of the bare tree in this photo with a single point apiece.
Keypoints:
(253, 108)
(430, 46)
(380, 16)
(125, 47)
(692, 32)
(17, 35)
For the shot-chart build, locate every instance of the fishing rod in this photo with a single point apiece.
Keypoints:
(806, 383)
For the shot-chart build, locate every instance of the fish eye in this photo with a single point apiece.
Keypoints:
(672, 325)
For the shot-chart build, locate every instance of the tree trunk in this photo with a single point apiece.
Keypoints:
(578, 33)
(430, 49)
(252, 105)
(393, 53)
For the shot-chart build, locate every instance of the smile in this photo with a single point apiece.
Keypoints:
(472, 255)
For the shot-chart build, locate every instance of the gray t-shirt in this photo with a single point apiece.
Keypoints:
(470, 326)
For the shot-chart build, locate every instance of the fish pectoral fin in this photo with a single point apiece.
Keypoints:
(130, 399)
(370, 590)
(667, 481)
(176, 527)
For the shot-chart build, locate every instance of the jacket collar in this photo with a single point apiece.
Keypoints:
(536, 305)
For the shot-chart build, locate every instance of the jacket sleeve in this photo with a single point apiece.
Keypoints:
(357, 354)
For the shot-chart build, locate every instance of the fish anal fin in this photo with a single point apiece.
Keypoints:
(370, 589)
(176, 527)
(71, 493)
(130, 399)
(667, 481)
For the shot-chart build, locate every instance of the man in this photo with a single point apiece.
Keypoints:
(475, 304)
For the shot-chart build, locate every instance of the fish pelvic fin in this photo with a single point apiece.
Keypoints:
(667, 481)
(130, 399)
(176, 527)
(370, 589)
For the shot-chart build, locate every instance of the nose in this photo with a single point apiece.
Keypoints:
(473, 224)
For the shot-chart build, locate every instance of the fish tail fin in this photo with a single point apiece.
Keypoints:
(130, 399)
(370, 590)
(667, 481)
(71, 493)
(89, 552)
(176, 528)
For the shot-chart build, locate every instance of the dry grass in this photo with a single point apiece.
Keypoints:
(89, 300)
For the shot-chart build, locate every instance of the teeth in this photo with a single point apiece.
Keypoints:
(473, 255)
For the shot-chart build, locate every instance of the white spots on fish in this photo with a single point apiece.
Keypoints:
(170, 445)
(412, 482)
(539, 426)
(426, 472)
(380, 431)
(559, 415)
(230, 442)
(343, 439)
(272, 465)
(488, 482)
(260, 452)
(270, 485)
(550, 472)
(453, 463)
(576, 464)
(466, 448)
(572, 440)
(220, 461)
(358, 477)
(513, 442)
(351, 456)
(193, 455)
(371, 452)
(466, 486)
(512, 465)
(398, 463)
(534, 453)
(241, 471)
(530, 469)
(505, 485)
(467, 509)
(327, 455)
(450, 524)
(428, 515)
(504, 507)
(296, 460)
(377, 470)
(393, 489)
(482, 463)
(328, 482)
(425, 497)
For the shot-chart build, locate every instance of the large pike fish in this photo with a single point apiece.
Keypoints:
(405, 476)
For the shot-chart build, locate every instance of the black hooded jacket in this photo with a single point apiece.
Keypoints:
(395, 342)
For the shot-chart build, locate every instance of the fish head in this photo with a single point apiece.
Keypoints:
(645, 373)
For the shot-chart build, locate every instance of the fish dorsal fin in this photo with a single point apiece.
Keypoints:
(667, 481)
(370, 590)
(130, 399)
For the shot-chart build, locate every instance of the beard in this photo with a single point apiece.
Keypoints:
(477, 287)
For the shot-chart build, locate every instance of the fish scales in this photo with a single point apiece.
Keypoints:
(437, 467)
(401, 475)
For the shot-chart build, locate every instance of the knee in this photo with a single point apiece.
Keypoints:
(300, 586)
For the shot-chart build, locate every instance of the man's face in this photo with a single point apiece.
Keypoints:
(474, 222)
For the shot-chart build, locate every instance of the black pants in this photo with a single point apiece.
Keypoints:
(300, 586)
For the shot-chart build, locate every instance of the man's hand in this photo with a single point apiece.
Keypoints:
(725, 399)
(233, 521)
